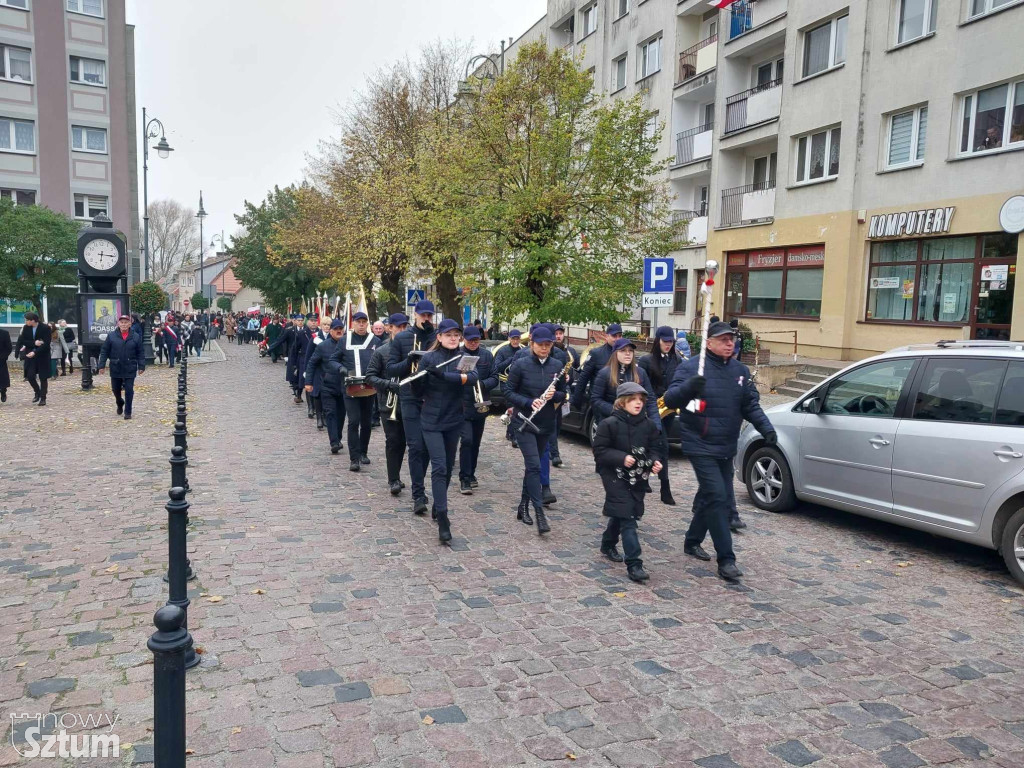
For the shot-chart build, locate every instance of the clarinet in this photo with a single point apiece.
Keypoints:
(527, 421)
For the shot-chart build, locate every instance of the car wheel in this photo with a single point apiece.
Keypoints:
(592, 429)
(769, 481)
(1012, 545)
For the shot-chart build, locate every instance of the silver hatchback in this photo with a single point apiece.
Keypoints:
(927, 436)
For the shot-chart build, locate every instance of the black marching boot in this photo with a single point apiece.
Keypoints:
(444, 529)
(547, 496)
(542, 520)
(523, 513)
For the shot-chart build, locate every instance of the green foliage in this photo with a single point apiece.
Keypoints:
(631, 334)
(148, 298)
(199, 301)
(224, 303)
(38, 249)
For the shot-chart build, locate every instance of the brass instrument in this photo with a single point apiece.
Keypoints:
(664, 410)
(415, 348)
(391, 403)
(481, 405)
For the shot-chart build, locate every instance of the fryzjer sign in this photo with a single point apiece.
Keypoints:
(930, 221)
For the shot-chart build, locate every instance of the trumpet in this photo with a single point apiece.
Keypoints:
(664, 410)
(391, 403)
(481, 405)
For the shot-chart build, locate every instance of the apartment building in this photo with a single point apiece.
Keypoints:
(67, 120)
(855, 167)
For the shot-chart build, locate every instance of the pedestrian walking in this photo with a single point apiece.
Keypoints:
(56, 350)
(627, 448)
(474, 418)
(172, 340)
(33, 348)
(252, 329)
(124, 350)
(323, 382)
(5, 373)
(388, 403)
(660, 366)
(69, 346)
(158, 343)
(503, 359)
(230, 324)
(621, 367)
(595, 362)
(352, 355)
(197, 338)
(185, 335)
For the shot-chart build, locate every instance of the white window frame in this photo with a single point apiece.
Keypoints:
(1011, 89)
(616, 87)
(809, 137)
(13, 194)
(927, 29)
(916, 148)
(833, 24)
(589, 12)
(13, 138)
(7, 64)
(991, 6)
(644, 56)
(87, 205)
(85, 139)
(621, 8)
(26, 7)
(81, 72)
(80, 8)
(651, 126)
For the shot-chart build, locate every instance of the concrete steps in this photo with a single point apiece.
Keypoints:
(806, 379)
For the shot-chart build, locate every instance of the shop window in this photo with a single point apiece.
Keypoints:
(780, 282)
(679, 296)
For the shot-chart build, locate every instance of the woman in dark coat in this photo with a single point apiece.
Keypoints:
(621, 367)
(660, 366)
(5, 374)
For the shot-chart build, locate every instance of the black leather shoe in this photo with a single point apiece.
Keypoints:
(465, 488)
(547, 496)
(120, 408)
(42, 401)
(473, 483)
(666, 498)
(637, 573)
(3, 396)
(353, 467)
(319, 421)
(335, 447)
(612, 553)
(515, 444)
(735, 524)
(696, 551)
(395, 488)
(729, 571)
(444, 529)
(542, 521)
(419, 506)
(364, 459)
(35, 399)
(127, 417)
(523, 513)
(556, 461)
(297, 399)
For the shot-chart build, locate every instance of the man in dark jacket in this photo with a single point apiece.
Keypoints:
(296, 349)
(660, 366)
(353, 356)
(33, 348)
(596, 360)
(5, 374)
(473, 426)
(394, 431)
(273, 334)
(127, 358)
(324, 383)
(726, 397)
(502, 364)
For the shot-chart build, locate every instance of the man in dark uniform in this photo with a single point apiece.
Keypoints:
(314, 336)
(324, 383)
(570, 356)
(502, 362)
(596, 360)
(292, 343)
(33, 348)
(274, 330)
(394, 431)
(127, 359)
(5, 374)
(473, 426)
(353, 356)
(419, 338)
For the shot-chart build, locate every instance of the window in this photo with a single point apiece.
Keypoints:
(959, 390)
(873, 390)
(700, 201)
(992, 118)
(589, 20)
(768, 73)
(679, 296)
(1011, 400)
(779, 281)
(916, 19)
(15, 4)
(619, 73)
(86, 139)
(651, 127)
(817, 156)
(650, 58)
(906, 138)
(764, 171)
(91, 71)
(825, 46)
(17, 135)
(621, 8)
(19, 196)
(89, 7)
(981, 7)
(90, 206)
(16, 63)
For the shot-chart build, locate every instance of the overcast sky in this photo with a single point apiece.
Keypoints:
(245, 88)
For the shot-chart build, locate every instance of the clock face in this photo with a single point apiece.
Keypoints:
(100, 254)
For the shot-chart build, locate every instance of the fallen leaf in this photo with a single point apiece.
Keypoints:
(112, 569)
(21, 664)
(868, 562)
(200, 650)
(428, 720)
(259, 592)
(215, 598)
(902, 565)
(189, 752)
(618, 594)
(236, 730)
(203, 594)
(570, 755)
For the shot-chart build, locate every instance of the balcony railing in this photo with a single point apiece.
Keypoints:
(752, 106)
(749, 204)
(741, 19)
(689, 147)
(696, 229)
(681, 215)
(688, 66)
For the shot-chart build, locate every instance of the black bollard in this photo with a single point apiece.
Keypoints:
(168, 645)
(180, 437)
(179, 461)
(177, 561)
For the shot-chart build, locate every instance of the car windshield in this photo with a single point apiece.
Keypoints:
(871, 390)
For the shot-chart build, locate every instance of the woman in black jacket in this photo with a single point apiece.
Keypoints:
(626, 449)
(621, 367)
(440, 393)
(660, 366)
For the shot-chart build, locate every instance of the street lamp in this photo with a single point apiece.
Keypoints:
(163, 150)
(201, 215)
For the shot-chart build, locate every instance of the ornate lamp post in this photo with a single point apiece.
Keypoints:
(163, 150)
(202, 248)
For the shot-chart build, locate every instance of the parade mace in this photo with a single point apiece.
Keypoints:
(711, 269)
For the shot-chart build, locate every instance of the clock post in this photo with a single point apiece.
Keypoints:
(102, 289)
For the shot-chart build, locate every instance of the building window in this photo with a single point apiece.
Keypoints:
(621, 8)
(817, 156)
(981, 7)
(23, 4)
(16, 64)
(619, 74)
(916, 19)
(88, 7)
(825, 46)
(651, 127)
(589, 24)
(784, 282)
(650, 58)
(679, 295)
(17, 135)
(90, 206)
(85, 139)
(906, 138)
(91, 71)
(19, 196)
(992, 118)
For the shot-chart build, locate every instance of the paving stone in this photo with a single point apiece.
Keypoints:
(964, 672)
(445, 715)
(651, 668)
(892, 618)
(327, 607)
(873, 637)
(594, 602)
(309, 678)
(567, 720)
(50, 685)
(364, 593)
(90, 638)
(351, 692)
(142, 753)
(794, 753)
(883, 710)
(717, 761)
(900, 757)
(665, 622)
(971, 747)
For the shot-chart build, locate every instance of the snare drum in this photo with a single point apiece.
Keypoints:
(357, 387)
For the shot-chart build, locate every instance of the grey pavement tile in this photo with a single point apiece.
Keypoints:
(352, 692)
(971, 747)
(450, 715)
(794, 752)
(900, 757)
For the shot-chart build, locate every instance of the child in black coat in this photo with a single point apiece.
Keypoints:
(627, 450)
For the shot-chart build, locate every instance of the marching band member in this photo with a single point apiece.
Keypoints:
(660, 366)
(595, 362)
(314, 336)
(473, 425)
(440, 393)
(323, 382)
(419, 338)
(621, 367)
(535, 381)
(292, 350)
(353, 354)
(394, 432)
(502, 363)
(563, 346)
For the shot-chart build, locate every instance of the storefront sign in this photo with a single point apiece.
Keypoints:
(766, 259)
(995, 272)
(930, 221)
(1011, 215)
(804, 257)
(949, 301)
(878, 283)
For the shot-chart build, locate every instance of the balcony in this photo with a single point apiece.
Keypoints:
(752, 204)
(757, 105)
(695, 231)
(746, 15)
(697, 59)
(694, 144)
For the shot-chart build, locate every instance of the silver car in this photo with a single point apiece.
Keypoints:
(927, 436)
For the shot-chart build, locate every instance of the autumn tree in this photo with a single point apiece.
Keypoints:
(38, 250)
(173, 238)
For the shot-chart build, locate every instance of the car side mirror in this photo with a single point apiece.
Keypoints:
(812, 405)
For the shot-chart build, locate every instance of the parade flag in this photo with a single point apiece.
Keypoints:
(362, 300)
(723, 3)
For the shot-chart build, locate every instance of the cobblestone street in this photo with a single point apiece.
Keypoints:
(335, 630)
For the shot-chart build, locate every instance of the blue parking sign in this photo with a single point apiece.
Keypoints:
(659, 275)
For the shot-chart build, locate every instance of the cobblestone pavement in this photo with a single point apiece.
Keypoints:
(336, 631)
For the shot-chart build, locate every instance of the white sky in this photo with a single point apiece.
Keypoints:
(245, 88)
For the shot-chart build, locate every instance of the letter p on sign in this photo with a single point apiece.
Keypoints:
(658, 275)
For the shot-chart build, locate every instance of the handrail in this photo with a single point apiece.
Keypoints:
(759, 186)
(688, 58)
(684, 143)
(751, 91)
(736, 105)
(759, 334)
(732, 201)
(695, 131)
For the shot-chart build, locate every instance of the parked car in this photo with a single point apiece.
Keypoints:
(928, 436)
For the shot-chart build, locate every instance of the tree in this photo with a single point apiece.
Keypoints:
(224, 303)
(38, 250)
(199, 301)
(147, 298)
(173, 236)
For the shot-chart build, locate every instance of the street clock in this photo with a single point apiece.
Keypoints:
(101, 255)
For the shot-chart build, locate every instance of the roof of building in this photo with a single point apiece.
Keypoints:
(227, 282)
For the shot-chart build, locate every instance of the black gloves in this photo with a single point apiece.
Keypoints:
(771, 438)
(698, 384)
